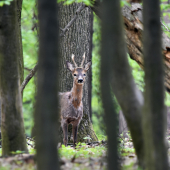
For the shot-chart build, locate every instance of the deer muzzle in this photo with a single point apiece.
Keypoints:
(80, 80)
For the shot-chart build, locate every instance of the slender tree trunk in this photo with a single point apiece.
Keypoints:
(46, 115)
(90, 71)
(12, 127)
(110, 8)
(76, 41)
(154, 109)
(126, 92)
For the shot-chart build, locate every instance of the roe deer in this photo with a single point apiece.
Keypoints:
(71, 102)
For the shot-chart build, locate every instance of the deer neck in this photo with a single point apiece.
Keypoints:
(77, 94)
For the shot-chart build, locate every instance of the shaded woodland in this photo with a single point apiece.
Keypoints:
(128, 45)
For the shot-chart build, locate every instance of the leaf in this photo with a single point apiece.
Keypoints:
(87, 138)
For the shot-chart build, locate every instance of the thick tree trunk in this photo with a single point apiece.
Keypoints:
(20, 56)
(77, 41)
(47, 112)
(12, 127)
(154, 110)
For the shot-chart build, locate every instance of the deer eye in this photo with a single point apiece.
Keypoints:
(84, 74)
(75, 74)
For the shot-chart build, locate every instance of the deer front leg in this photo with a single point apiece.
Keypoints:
(74, 131)
(65, 131)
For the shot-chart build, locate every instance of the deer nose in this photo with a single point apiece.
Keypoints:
(80, 80)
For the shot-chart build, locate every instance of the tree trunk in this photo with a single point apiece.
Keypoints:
(47, 112)
(76, 41)
(154, 110)
(125, 90)
(20, 57)
(133, 28)
(111, 28)
(12, 127)
(133, 33)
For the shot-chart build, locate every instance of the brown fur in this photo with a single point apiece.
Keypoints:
(71, 105)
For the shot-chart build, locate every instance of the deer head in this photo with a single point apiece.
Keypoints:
(79, 73)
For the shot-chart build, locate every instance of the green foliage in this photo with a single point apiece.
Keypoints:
(138, 74)
(68, 2)
(30, 47)
(124, 2)
(97, 109)
(164, 6)
(87, 137)
(167, 99)
(5, 2)
(101, 137)
(17, 152)
(165, 13)
(89, 2)
(82, 151)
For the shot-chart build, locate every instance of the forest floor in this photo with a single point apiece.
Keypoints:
(86, 156)
(89, 156)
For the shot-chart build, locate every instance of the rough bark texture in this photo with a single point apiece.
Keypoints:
(134, 27)
(133, 30)
(20, 56)
(110, 28)
(76, 41)
(126, 92)
(132, 108)
(12, 127)
(154, 110)
(46, 112)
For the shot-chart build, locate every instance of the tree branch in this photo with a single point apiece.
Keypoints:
(72, 21)
(28, 78)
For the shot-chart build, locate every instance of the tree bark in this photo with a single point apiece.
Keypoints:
(20, 56)
(132, 108)
(76, 41)
(133, 22)
(154, 110)
(133, 26)
(109, 31)
(12, 127)
(47, 112)
(125, 90)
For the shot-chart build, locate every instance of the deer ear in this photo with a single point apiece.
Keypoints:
(69, 66)
(87, 66)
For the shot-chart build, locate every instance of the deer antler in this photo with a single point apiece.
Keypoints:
(82, 60)
(73, 60)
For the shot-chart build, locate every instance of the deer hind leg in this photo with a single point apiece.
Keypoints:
(65, 131)
(74, 131)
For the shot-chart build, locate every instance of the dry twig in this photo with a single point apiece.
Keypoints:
(29, 76)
